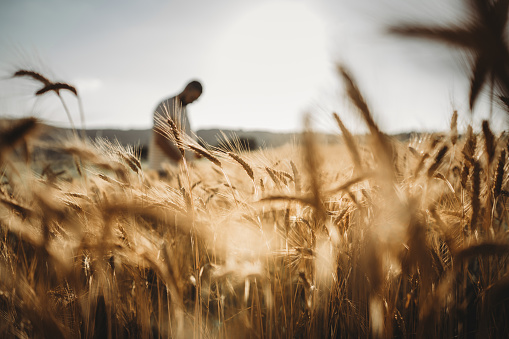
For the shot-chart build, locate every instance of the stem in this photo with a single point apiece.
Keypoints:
(231, 187)
(492, 89)
(82, 118)
(67, 112)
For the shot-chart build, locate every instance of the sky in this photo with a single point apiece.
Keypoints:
(263, 64)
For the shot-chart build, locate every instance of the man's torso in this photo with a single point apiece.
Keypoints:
(169, 108)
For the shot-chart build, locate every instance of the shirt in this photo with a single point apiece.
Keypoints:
(169, 108)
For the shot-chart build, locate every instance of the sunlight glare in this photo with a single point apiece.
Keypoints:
(270, 60)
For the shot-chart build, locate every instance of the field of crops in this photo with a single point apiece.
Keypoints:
(371, 238)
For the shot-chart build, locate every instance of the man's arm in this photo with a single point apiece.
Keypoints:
(168, 147)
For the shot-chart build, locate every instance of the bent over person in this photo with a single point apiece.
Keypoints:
(161, 149)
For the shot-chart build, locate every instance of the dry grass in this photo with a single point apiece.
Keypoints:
(306, 245)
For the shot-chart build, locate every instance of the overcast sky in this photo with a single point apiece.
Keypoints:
(263, 64)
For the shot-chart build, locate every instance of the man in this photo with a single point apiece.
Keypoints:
(161, 149)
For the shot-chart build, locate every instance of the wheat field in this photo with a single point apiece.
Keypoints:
(367, 237)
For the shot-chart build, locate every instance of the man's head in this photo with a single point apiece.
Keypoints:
(191, 92)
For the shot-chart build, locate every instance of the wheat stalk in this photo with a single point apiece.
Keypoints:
(242, 163)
